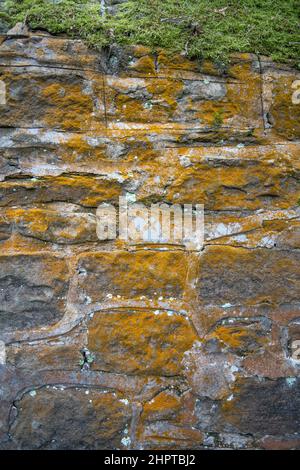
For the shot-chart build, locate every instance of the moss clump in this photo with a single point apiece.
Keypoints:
(210, 29)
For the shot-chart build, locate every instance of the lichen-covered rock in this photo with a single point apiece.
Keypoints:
(60, 417)
(261, 408)
(151, 343)
(56, 226)
(130, 275)
(112, 344)
(223, 279)
(56, 353)
(241, 336)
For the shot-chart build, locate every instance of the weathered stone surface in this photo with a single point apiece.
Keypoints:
(266, 410)
(160, 347)
(56, 226)
(150, 274)
(58, 353)
(294, 339)
(262, 229)
(223, 278)
(165, 435)
(241, 336)
(282, 113)
(234, 180)
(55, 100)
(151, 343)
(165, 425)
(211, 374)
(268, 407)
(5, 228)
(285, 443)
(82, 190)
(33, 290)
(68, 418)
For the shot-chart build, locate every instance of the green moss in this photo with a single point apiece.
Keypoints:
(201, 28)
(218, 119)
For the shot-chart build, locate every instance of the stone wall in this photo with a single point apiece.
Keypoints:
(119, 346)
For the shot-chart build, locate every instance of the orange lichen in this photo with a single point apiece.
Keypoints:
(283, 112)
(163, 403)
(232, 336)
(69, 106)
(140, 342)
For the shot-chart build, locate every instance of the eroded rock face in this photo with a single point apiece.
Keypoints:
(68, 418)
(161, 346)
(33, 290)
(151, 343)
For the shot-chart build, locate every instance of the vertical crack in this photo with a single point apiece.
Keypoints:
(104, 99)
(156, 66)
(264, 119)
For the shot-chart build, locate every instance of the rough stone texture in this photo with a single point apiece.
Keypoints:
(69, 418)
(107, 344)
(33, 290)
(152, 343)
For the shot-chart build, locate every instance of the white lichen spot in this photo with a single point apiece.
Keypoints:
(227, 305)
(185, 161)
(267, 242)
(126, 441)
(2, 353)
(240, 238)
(32, 393)
(290, 381)
(130, 197)
(125, 401)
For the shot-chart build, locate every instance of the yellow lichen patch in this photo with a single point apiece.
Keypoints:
(210, 110)
(241, 68)
(79, 144)
(139, 342)
(141, 274)
(144, 100)
(238, 186)
(89, 191)
(178, 61)
(53, 225)
(70, 107)
(35, 219)
(284, 114)
(144, 65)
(232, 336)
(245, 100)
(209, 68)
(239, 338)
(162, 404)
(166, 92)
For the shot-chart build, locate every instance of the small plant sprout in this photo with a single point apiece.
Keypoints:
(87, 359)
